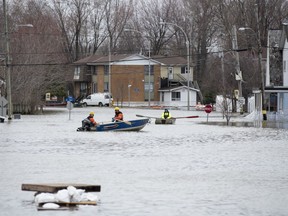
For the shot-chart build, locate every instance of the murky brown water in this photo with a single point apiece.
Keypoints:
(182, 169)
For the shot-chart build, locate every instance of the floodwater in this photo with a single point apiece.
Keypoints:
(173, 170)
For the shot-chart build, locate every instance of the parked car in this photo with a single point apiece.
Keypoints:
(97, 99)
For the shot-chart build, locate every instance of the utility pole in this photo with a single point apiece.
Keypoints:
(8, 63)
(261, 71)
(109, 71)
(237, 67)
(188, 59)
(149, 70)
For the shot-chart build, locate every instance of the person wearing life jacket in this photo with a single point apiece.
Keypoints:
(166, 114)
(89, 121)
(118, 115)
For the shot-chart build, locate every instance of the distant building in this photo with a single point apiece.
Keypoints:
(130, 79)
(276, 89)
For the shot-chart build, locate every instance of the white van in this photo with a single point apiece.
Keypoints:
(97, 99)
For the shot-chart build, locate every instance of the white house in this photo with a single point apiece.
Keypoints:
(178, 96)
(276, 89)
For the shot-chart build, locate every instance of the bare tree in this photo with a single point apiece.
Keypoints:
(37, 55)
(72, 16)
(117, 14)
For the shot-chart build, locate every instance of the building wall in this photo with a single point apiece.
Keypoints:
(176, 70)
(285, 68)
(183, 101)
(124, 75)
(100, 78)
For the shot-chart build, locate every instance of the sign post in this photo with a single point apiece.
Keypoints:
(208, 109)
(69, 100)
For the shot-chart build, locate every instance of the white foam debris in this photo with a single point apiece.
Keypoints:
(71, 194)
(51, 206)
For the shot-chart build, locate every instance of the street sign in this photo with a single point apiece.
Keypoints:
(70, 99)
(208, 108)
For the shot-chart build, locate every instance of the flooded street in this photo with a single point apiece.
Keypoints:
(173, 170)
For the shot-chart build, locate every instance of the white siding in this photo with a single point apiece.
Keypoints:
(285, 60)
(183, 102)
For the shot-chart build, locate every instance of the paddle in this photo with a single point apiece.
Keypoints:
(186, 117)
(172, 117)
(145, 116)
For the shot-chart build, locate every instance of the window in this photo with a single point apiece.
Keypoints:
(183, 70)
(146, 69)
(146, 87)
(170, 73)
(106, 86)
(77, 73)
(106, 69)
(176, 96)
(83, 88)
(94, 87)
(94, 70)
(284, 66)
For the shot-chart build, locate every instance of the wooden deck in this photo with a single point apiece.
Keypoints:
(53, 188)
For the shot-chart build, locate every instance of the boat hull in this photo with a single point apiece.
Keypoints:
(133, 125)
(165, 121)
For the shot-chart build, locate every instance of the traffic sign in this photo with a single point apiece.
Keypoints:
(70, 99)
(208, 108)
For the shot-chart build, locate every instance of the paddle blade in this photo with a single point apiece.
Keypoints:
(188, 117)
(193, 117)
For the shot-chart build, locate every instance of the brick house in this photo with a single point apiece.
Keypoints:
(130, 78)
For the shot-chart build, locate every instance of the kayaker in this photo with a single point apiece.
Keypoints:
(89, 121)
(118, 115)
(166, 114)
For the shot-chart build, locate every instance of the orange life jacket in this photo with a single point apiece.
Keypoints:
(118, 116)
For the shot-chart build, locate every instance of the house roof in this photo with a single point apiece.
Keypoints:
(104, 59)
(170, 60)
(87, 59)
(170, 89)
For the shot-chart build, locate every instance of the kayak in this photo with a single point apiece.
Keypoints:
(165, 121)
(132, 125)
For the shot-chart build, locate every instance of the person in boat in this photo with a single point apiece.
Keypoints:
(166, 114)
(118, 115)
(89, 121)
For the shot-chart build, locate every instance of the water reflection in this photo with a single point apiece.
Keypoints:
(256, 124)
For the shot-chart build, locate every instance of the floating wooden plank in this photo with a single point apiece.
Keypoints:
(53, 188)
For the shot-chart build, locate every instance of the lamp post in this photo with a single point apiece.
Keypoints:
(8, 63)
(129, 86)
(261, 71)
(149, 70)
(8, 60)
(109, 70)
(237, 67)
(188, 59)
